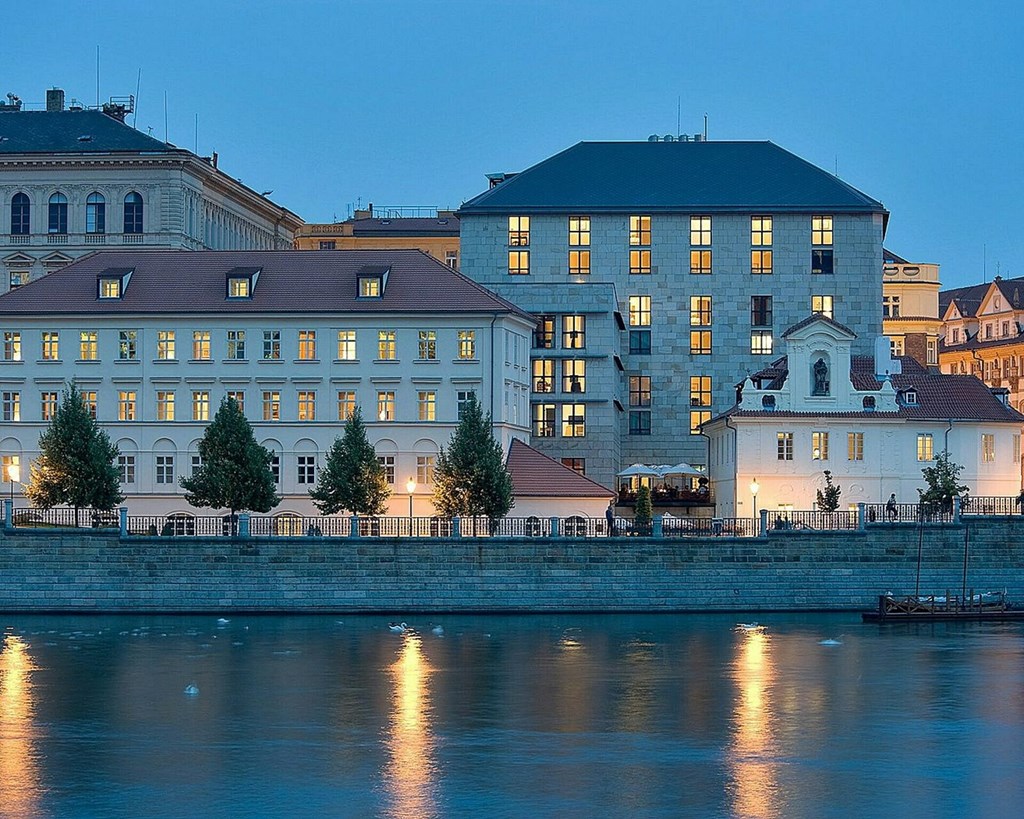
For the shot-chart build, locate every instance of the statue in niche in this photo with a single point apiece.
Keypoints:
(820, 377)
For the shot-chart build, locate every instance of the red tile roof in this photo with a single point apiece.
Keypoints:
(535, 475)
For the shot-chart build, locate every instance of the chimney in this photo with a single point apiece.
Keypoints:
(55, 99)
(213, 159)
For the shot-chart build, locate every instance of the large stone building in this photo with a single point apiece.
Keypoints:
(663, 272)
(73, 181)
(910, 308)
(155, 340)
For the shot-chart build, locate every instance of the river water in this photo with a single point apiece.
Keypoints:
(518, 716)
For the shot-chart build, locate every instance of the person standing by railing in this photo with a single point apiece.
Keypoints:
(891, 512)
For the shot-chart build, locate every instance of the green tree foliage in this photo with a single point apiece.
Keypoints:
(943, 484)
(828, 499)
(76, 464)
(470, 478)
(352, 478)
(235, 473)
(644, 510)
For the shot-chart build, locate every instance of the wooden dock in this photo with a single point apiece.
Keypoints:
(916, 608)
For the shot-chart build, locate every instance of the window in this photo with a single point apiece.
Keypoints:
(8, 461)
(271, 405)
(700, 311)
(126, 405)
(239, 287)
(89, 399)
(639, 422)
(518, 231)
(451, 258)
(271, 345)
(890, 306)
(386, 345)
(427, 403)
(126, 468)
(574, 332)
(988, 448)
(577, 465)
(20, 212)
(640, 262)
(236, 345)
(197, 464)
(640, 342)
(639, 231)
(165, 405)
(369, 287)
(519, 263)
(855, 446)
(1016, 448)
(200, 345)
(932, 351)
(700, 231)
(574, 420)
(895, 347)
(424, 469)
(327, 244)
(543, 375)
(275, 467)
(821, 262)
(639, 311)
(544, 420)
(760, 342)
(544, 333)
(307, 405)
(574, 375)
(700, 402)
(467, 345)
(700, 342)
(821, 241)
(784, 441)
(58, 214)
(12, 346)
(110, 287)
(307, 345)
(12, 406)
(427, 345)
(819, 446)
(822, 305)
(306, 469)
(909, 397)
(639, 390)
(579, 231)
(133, 213)
(387, 462)
(127, 345)
(760, 311)
(95, 213)
(87, 345)
(925, 448)
(700, 262)
(165, 469)
(347, 345)
(462, 398)
(51, 345)
(760, 238)
(579, 262)
(385, 406)
(761, 262)
(48, 405)
(200, 405)
(346, 404)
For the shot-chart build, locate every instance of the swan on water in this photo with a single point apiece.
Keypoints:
(438, 631)
(831, 641)
(398, 628)
(191, 689)
(749, 626)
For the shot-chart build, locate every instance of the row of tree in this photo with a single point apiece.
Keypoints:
(77, 467)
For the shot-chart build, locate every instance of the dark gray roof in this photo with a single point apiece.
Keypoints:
(968, 299)
(406, 226)
(290, 281)
(46, 132)
(672, 176)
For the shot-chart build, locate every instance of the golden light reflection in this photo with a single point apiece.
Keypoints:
(410, 774)
(19, 774)
(754, 786)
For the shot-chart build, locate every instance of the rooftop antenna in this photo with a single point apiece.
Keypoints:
(837, 165)
(984, 262)
(705, 126)
(679, 110)
(97, 76)
(138, 85)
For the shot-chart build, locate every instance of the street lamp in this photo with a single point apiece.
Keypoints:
(754, 487)
(410, 486)
(14, 474)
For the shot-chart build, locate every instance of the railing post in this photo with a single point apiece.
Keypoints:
(8, 514)
(861, 516)
(243, 525)
(353, 523)
(956, 510)
(657, 524)
(554, 528)
(456, 527)
(762, 530)
(122, 520)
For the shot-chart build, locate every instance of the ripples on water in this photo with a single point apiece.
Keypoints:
(658, 716)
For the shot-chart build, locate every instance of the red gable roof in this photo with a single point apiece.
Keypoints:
(535, 475)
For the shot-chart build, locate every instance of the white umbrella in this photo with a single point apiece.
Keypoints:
(682, 469)
(639, 471)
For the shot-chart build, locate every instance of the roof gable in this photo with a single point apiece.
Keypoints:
(535, 475)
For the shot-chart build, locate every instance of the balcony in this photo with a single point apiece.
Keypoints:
(90, 240)
(671, 496)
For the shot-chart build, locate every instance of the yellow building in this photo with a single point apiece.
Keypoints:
(910, 308)
(436, 233)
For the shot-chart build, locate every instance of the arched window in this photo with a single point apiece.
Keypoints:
(133, 213)
(95, 213)
(20, 210)
(58, 214)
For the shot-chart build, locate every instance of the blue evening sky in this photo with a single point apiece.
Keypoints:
(329, 104)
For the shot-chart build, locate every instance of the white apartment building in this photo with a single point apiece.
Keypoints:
(873, 422)
(73, 181)
(155, 340)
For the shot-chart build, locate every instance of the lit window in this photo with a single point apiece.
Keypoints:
(821, 231)
(819, 446)
(574, 420)
(822, 305)
(200, 405)
(8, 461)
(574, 332)
(424, 469)
(387, 463)
(307, 345)
(165, 345)
(236, 345)
(164, 405)
(385, 406)
(544, 420)
(271, 345)
(574, 375)
(700, 262)
(760, 262)
(347, 345)
(89, 399)
(165, 469)
(518, 231)
(200, 345)
(760, 231)
(51, 345)
(305, 469)
(579, 231)
(126, 468)
(700, 401)
(639, 231)
(238, 287)
(467, 345)
(386, 345)
(760, 311)
(544, 333)
(48, 405)
(87, 345)
(427, 403)
(639, 390)
(640, 262)
(932, 351)
(543, 375)
(988, 448)
(369, 287)
(307, 405)
(12, 346)
(700, 311)
(761, 342)
(126, 405)
(271, 405)
(855, 446)
(346, 404)
(700, 231)
(784, 442)
(700, 342)
(579, 262)
(427, 345)
(519, 262)
(925, 447)
(639, 311)
(12, 406)
(127, 345)
(110, 287)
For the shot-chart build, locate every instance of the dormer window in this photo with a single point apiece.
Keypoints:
(111, 284)
(242, 282)
(369, 287)
(371, 280)
(910, 397)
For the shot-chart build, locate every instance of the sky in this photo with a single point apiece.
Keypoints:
(332, 105)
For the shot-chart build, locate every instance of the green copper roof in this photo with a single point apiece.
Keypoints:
(672, 176)
(72, 132)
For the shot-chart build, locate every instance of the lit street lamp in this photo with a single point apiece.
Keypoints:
(410, 486)
(14, 475)
(754, 487)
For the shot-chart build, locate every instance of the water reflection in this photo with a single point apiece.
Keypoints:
(19, 771)
(410, 774)
(754, 787)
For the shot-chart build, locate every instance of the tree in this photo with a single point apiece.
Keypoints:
(235, 471)
(470, 478)
(76, 464)
(352, 477)
(828, 500)
(942, 480)
(644, 510)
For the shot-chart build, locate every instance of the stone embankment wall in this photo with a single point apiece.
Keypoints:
(784, 571)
